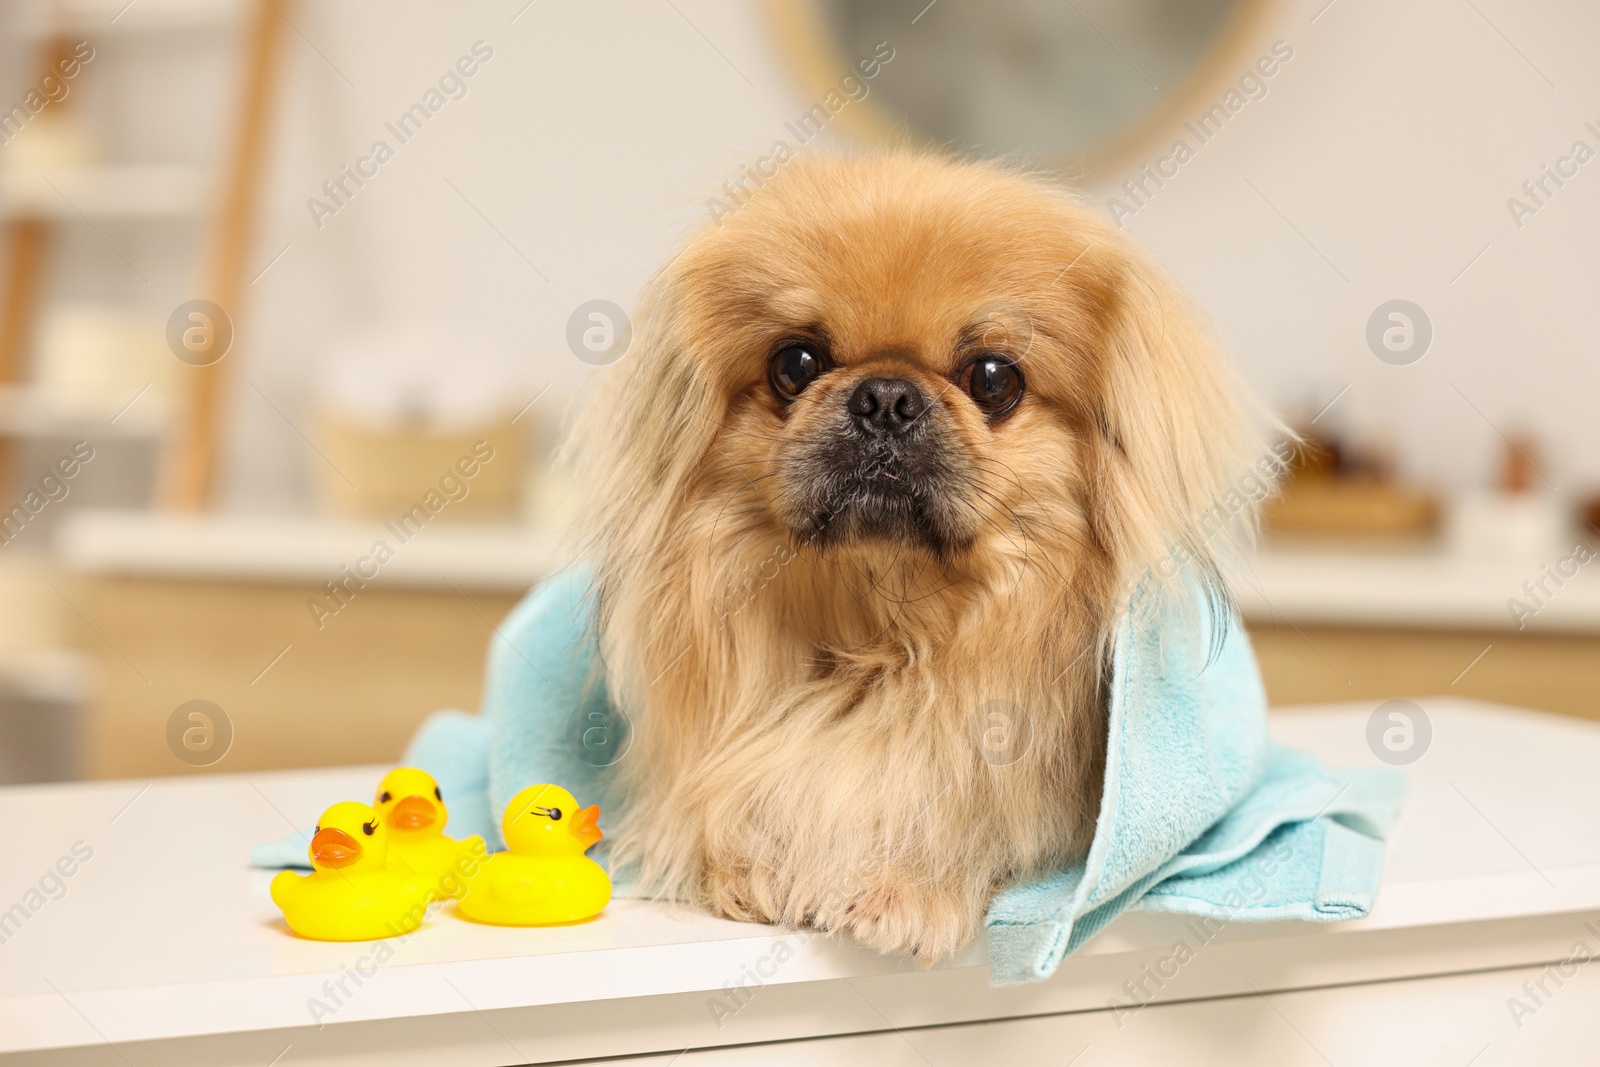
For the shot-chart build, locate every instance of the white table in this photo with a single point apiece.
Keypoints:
(164, 948)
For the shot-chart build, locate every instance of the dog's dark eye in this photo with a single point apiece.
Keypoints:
(794, 367)
(995, 384)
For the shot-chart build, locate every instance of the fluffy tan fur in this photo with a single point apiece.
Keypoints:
(816, 723)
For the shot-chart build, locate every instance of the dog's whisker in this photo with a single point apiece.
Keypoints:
(732, 497)
(733, 430)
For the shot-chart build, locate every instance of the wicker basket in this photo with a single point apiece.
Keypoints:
(374, 472)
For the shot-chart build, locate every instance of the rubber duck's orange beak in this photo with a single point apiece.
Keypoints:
(413, 813)
(334, 848)
(586, 825)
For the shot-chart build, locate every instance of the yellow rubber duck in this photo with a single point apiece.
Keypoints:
(353, 893)
(544, 878)
(411, 805)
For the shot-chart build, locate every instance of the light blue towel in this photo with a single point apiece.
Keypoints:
(1200, 814)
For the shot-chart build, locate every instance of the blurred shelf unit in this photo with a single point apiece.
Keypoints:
(1378, 625)
(293, 549)
(1426, 589)
(299, 626)
(41, 694)
(82, 352)
(54, 675)
(120, 17)
(121, 191)
(34, 411)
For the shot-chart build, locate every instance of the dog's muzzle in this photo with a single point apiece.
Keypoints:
(882, 470)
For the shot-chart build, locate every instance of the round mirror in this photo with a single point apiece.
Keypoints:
(1073, 83)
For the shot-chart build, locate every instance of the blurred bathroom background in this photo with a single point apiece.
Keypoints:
(297, 296)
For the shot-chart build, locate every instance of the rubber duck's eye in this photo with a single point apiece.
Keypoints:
(317, 829)
(370, 828)
(555, 814)
(437, 794)
(386, 797)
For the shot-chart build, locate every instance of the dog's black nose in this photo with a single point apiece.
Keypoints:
(886, 407)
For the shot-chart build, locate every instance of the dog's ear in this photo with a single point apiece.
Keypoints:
(652, 395)
(1177, 470)
(646, 425)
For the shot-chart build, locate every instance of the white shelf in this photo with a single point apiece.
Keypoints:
(1424, 590)
(32, 411)
(164, 934)
(259, 548)
(57, 676)
(106, 17)
(121, 191)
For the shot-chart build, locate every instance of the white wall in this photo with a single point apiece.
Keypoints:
(1392, 141)
(588, 141)
(593, 136)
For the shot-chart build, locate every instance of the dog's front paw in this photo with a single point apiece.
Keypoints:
(735, 893)
(916, 919)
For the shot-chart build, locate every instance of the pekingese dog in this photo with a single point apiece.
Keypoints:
(893, 442)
